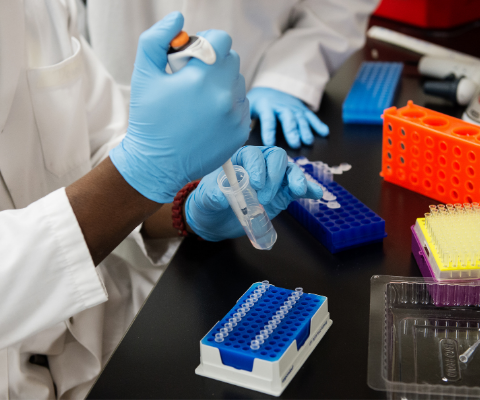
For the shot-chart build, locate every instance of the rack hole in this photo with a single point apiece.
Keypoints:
(455, 180)
(428, 169)
(435, 121)
(429, 141)
(457, 151)
(456, 166)
(441, 175)
(441, 189)
(429, 155)
(402, 132)
(402, 160)
(442, 161)
(465, 131)
(402, 146)
(415, 165)
(471, 156)
(443, 146)
(415, 151)
(389, 155)
(468, 199)
(427, 183)
(390, 128)
(470, 187)
(414, 179)
(455, 194)
(416, 137)
(470, 171)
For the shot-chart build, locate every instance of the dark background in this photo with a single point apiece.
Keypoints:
(159, 354)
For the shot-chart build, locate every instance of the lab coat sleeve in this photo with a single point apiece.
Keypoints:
(46, 272)
(322, 34)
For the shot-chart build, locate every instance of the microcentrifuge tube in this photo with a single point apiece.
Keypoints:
(284, 308)
(233, 321)
(255, 345)
(219, 337)
(328, 196)
(224, 331)
(266, 283)
(334, 205)
(299, 290)
(265, 333)
(259, 339)
(345, 166)
(268, 328)
(249, 302)
(228, 326)
(238, 315)
(274, 322)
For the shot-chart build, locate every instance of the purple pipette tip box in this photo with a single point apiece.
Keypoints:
(449, 293)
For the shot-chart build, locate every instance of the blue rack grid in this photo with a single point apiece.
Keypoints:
(235, 350)
(351, 225)
(372, 92)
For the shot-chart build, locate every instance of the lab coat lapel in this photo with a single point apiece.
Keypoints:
(12, 53)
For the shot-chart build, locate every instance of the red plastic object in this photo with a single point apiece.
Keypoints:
(431, 153)
(439, 14)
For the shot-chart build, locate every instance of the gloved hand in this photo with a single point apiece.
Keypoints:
(276, 181)
(182, 126)
(269, 104)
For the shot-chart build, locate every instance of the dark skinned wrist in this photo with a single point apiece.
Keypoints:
(107, 208)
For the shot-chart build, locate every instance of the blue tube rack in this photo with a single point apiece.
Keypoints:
(372, 92)
(270, 368)
(351, 225)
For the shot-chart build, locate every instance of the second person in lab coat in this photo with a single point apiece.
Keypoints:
(288, 48)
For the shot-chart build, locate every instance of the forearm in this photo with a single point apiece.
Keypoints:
(107, 208)
(160, 226)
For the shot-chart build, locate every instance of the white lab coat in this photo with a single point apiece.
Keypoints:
(60, 114)
(289, 45)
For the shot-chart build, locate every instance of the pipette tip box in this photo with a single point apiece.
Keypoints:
(436, 259)
(372, 92)
(270, 367)
(351, 225)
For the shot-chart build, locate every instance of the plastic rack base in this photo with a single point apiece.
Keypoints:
(373, 90)
(270, 368)
(350, 226)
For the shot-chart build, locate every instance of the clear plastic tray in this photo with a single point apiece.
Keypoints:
(415, 340)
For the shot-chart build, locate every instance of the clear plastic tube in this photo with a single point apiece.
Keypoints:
(255, 223)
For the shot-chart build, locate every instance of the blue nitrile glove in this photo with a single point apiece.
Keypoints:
(269, 104)
(276, 181)
(182, 126)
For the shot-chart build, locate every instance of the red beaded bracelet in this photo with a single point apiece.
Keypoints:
(177, 209)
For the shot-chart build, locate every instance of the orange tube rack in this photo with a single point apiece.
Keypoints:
(431, 153)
